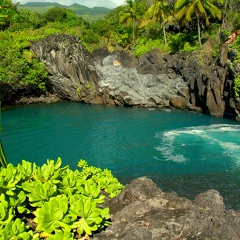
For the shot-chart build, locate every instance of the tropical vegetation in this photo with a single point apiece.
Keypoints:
(138, 25)
(54, 202)
(90, 14)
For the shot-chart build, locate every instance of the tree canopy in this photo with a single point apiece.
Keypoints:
(139, 25)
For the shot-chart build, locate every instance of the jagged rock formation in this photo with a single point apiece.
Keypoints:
(121, 83)
(186, 81)
(21, 94)
(73, 75)
(143, 211)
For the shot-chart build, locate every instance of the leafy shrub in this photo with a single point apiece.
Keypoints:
(224, 34)
(188, 47)
(182, 42)
(25, 19)
(235, 50)
(213, 29)
(143, 46)
(237, 86)
(233, 16)
(17, 63)
(53, 202)
(55, 14)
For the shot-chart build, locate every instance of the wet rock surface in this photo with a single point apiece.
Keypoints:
(143, 211)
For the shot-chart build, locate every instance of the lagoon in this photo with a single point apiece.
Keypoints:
(180, 151)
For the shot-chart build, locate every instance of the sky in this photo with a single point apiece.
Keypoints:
(89, 3)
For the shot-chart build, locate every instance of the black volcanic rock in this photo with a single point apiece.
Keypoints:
(143, 211)
(193, 81)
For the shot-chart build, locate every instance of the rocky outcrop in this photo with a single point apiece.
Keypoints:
(185, 81)
(143, 211)
(121, 83)
(22, 94)
(105, 78)
(73, 75)
(209, 81)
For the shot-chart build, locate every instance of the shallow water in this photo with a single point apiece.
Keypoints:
(180, 151)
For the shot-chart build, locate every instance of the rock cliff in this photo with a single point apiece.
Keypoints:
(71, 68)
(143, 211)
(186, 81)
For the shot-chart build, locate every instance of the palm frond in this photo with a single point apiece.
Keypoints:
(213, 10)
(180, 14)
(189, 12)
(179, 4)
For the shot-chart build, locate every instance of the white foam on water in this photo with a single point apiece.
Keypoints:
(166, 110)
(232, 150)
(168, 154)
(211, 135)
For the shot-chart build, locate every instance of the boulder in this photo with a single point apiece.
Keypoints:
(143, 211)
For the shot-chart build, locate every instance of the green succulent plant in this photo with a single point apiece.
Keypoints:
(39, 193)
(53, 202)
(17, 230)
(61, 235)
(53, 216)
(87, 216)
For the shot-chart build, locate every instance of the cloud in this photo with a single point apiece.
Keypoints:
(93, 3)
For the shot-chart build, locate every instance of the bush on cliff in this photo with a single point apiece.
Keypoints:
(235, 58)
(54, 202)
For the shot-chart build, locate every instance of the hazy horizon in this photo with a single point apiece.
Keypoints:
(94, 3)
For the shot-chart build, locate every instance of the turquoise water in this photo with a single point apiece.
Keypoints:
(180, 151)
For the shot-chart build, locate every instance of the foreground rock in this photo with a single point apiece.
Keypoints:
(185, 81)
(143, 211)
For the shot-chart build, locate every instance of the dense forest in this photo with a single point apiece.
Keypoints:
(90, 14)
(138, 26)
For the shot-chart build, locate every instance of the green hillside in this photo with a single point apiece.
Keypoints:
(90, 14)
(43, 4)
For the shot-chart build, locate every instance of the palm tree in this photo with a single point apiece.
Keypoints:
(132, 14)
(184, 10)
(159, 12)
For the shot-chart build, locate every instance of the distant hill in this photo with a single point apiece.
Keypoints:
(90, 14)
(42, 4)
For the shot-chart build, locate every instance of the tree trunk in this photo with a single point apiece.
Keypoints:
(224, 11)
(164, 34)
(199, 31)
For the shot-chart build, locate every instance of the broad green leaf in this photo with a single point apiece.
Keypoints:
(52, 217)
(61, 235)
(39, 193)
(16, 230)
